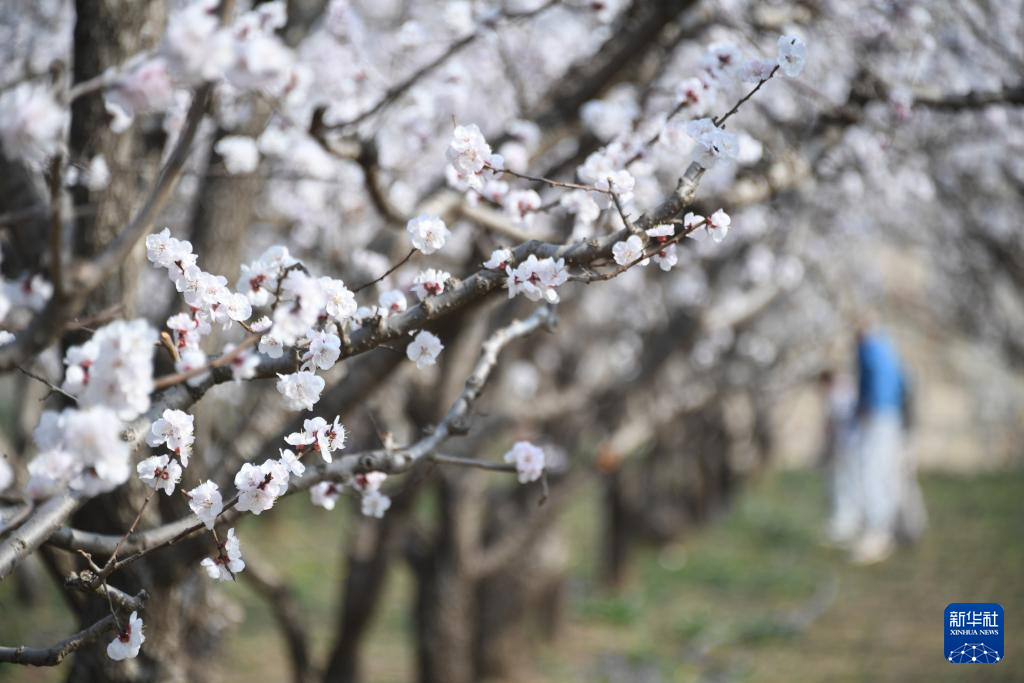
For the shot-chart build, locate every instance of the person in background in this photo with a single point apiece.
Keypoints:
(892, 503)
(840, 458)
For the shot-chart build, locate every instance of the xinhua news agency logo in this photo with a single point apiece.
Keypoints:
(974, 633)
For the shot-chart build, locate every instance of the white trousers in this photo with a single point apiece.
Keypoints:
(893, 505)
(846, 488)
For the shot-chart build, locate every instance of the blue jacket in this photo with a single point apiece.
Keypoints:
(881, 380)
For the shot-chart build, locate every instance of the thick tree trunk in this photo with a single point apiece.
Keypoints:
(180, 637)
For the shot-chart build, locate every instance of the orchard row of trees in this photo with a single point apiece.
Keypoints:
(491, 254)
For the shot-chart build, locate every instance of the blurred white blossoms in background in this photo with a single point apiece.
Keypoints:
(528, 459)
(792, 55)
(240, 153)
(206, 502)
(693, 94)
(6, 473)
(602, 170)
(82, 449)
(756, 70)
(521, 205)
(424, 349)
(326, 494)
(427, 233)
(128, 642)
(373, 503)
(114, 368)
(228, 561)
(145, 88)
(31, 123)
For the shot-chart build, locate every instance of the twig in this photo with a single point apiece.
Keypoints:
(108, 567)
(547, 181)
(736, 107)
(390, 270)
(400, 88)
(54, 389)
(223, 359)
(471, 462)
(56, 184)
(57, 653)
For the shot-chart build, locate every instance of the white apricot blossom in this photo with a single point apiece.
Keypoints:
(424, 349)
(228, 561)
(160, 472)
(528, 459)
(629, 251)
(129, 641)
(792, 55)
(430, 282)
(206, 502)
(537, 279)
(326, 494)
(301, 390)
(427, 233)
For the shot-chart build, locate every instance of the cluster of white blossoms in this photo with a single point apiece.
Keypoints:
(114, 368)
(536, 279)
(326, 494)
(209, 298)
(259, 486)
(724, 64)
(32, 123)
(373, 503)
(196, 48)
(716, 225)
(666, 256)
(528, 459)
(427, 233)
(228, 561)
(521, 206)
(239, 153)
(128, 642)
(176, 430)
(80, 449)
(304, 312)
(470, 158)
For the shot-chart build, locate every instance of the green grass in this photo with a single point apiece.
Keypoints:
(722, 604)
